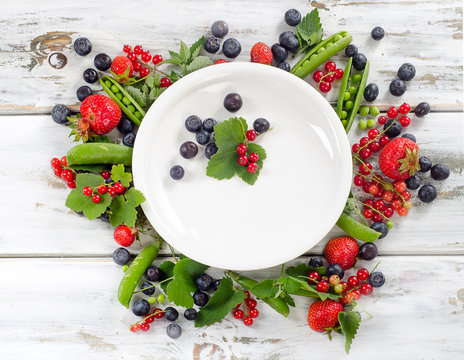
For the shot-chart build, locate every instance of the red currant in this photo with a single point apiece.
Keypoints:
(158, 313)
(392, 112)
(365, 168)
(138, 49)
(373, 189)
(126, 49)
(395, 204)
(119, 188)
(165, 82)
(133, 328)
(56, 163)
(374, 146)
(388, 212)
(382, 120)
(353, 281)
(144, 72)
(373, 133)
(406, 195)
(247, 293)
(330, 66)
(111, 191)
(317, 76)
(252, 167)
(96, 198)
(150, 319)
(325, 86)
(400, 186)
(144, 326)
(146, 56)
(220, 61)
(243, 160)
(387, 196)
(366, 187)
(407, 205)
(338, 74)
(67, 175)
(364, 141)
(365, 153)
(405, 121)
(87, 191)
(157, 59)
(379, 205)
(384, 140)
(248, 321)
(402, 211)
(132, 57)
(366, 289)
(368, 203)
(355, 148)
(251, 303)
(251, 135)
(105, 174)
(377, 217)
(323, 286)
(362, 274)
(357, 294)
(238, 314)
(254, 313)
(102, 189)
(58, 171)
(405, 108)
(63, 161)
(368, 213)
(358, 180)
(314, 277)
(137, 65)
(254, 156)
(329, 78)
(72, 184)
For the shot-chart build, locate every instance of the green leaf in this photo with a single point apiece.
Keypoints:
(167, 268)
(264, 289)
(223, 165)
(243, 172)
(196, 48)
(153, 80)
(90, 180)
(197, 64)
(195, 269)
(145, 89)
(220, 304)
(171, 61)
(118, 173)
(137, 95)
(123, 208)
(349, 322)
(184, 52)
(98, 168)
(155, 93)
(309, 30)
(287, 298)
(175, 76)
(230, 133)
(290, 285)
(175, 55)
(303, 270)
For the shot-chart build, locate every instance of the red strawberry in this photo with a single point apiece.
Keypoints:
(323, 315)
(342, 250)
(100, 115)
(122, 68)
(261, 53)
(125, 235)
(399, 159)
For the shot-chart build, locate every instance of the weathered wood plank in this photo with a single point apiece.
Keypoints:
(35, 220)
(425, 33)
(57, 306)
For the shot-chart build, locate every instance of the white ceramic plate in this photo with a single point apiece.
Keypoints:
(301, 190)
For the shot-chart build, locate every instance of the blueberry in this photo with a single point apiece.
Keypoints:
(102, 62)
(128, 139)
(190, 314)
(177, 172)
(315, 262)
(174, 331)
(193, 123)
(231, 48)
(212, 45)
(440, 172)
(376, 279)
(397, 87)
(359, 61)
(188, 150)
(82, 46)
(219, 28)
(377, 33)
(121, 256)
(203, 137)
(409, 136)
(209, 124)
(371, 92)
(284, 66)
(216, 284)
(413, 182)
(149, 289)
(90, 76)
(204, 282)
(125, 125)
(153, 273)
(200, 298)
(210, 150)
(393, 130)
(351, 50)
(406, 72)
(292, 17)
(427, 193)
(140, 307)
(109, 180)
(425, 164)
(104, 217)
(279, 53)
(59, 114)
(422, 109)
(368, 251)
(233, 102)
(83, 92)
(171, 314)
(261, 125)
(289, 41)
(381, 228)
(335, 269)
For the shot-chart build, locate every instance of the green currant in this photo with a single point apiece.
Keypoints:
(161, 297)
(124, 268)
(152, 300)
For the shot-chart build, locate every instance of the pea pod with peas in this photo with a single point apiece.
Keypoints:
(99, 153)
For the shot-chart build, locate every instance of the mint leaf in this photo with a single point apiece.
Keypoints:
(175, 55)
(171, 61)
(349, 322)
(137, 95)
(118, 173)
(243, 172)
(223, 165)
(167, 268)
(264, 289)
(309, 30)
(153, 80)
(196, 47)
(220, 304)
(197, 64)
(230, 133)
(123, 208)
(155, 93)
(184, 52)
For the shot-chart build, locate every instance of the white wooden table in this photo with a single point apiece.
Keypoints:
(57, 280)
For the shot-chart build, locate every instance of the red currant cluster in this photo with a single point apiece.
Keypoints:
(140, 59)
(249, 311)
(393, 113)
(245, 159)
(112, 189)
(144, 324)
(61, 170)
(324, 80)
(352, 289)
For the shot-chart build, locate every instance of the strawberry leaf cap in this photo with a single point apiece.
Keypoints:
(410, 162)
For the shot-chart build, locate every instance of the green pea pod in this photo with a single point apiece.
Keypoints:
(278, 304)
(123, 107)
(99, 153)
(135, 271)
(320, 53)
(344, 86)
(358, 98)
(355, 229)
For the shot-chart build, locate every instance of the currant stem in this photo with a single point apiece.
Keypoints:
(154, 285)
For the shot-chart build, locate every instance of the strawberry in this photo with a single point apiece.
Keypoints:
(261, 53)
(100, 115)
(341, 250)
(122, 68)
(125, 235)
(323, 315)
(399, 159)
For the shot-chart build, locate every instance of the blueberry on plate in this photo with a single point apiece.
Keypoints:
(406, 72)
(425, 164)
(188, 150)
(335, 269)
(153, 273)
(210, 150)
(279, 53)
(368, 251)
(83, 92)
(121, 256)
(315, 262)
(233, 102)
(174, 331)
(209, 124)
(440, 172)
(200, 298)
(351, 50)
(292, 17)
(397, 87)
(394, 128)
(102, 62)
(219, 28)
(413, 182)
(190, 314)
(147, 288)
(171, 314)
(377, 33)
(261, 125)
(289, 41)
(204, 282)
(212, 45)
(359, 61)
(203, 137)
(427, 193)
(409, 136)
(193, 123)
(128, 139)
(231, 48)
(60, 113)
(140, 307)
(376, 279)
(422, 109)
(284, 66)
(177, 172)
(381, 228)
(125, 125)
(82, 46)
(371, 92)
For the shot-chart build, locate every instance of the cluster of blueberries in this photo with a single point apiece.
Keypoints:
(231, 47)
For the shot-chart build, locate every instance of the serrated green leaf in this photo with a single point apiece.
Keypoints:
(303, 270)
(134, 197)
(175, 55)
(309, 30)
(155, 93)
(230, 133)
(195, 269)
(184, 52)
(196, 47)
(264, 289)
(220, 304)
(197, 64)
(137, 95)
(153, 80)
(145, 89)
(223, 165)
(349, 323)
(243, 172)
(290, 285)
(167, 268)
(123, 208)
(118, 173)
(175, 76)
(171, 61)
(180, 288)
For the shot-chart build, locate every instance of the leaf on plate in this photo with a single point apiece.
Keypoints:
(223, 165)
(243, 172)
(230, 133)
(349, 323)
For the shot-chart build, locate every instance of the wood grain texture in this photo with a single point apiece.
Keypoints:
(425, 33)
(42, 314)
